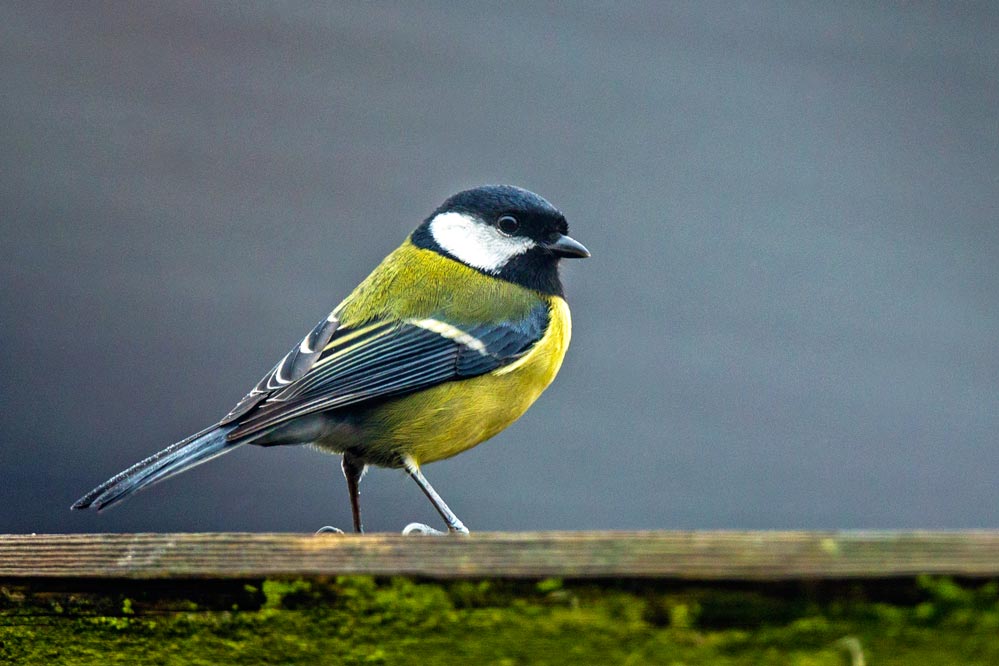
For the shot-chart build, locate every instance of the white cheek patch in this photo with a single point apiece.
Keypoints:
(476, 244)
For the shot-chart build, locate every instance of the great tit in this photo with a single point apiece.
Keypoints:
(446, 343)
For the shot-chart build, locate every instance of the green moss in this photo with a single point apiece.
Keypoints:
(287, 594)
(126, 607)
(361, 620)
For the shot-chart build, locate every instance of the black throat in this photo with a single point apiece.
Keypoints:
(535, 269)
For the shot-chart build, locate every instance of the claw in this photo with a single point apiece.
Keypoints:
(426, 530)
(420, 528)
(329, 529)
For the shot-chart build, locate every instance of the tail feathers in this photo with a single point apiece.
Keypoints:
(185, 454)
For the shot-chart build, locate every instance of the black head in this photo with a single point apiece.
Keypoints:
(503, 231)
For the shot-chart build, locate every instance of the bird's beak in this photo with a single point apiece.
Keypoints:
(563, 246)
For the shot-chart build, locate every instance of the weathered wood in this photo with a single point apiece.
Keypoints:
(758, 556)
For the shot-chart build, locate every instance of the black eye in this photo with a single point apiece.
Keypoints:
(508, 225)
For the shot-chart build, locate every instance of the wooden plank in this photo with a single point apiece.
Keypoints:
(716, 555)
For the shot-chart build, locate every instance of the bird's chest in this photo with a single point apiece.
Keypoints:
(447, 419)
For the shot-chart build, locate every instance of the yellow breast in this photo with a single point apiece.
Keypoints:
(447, 419)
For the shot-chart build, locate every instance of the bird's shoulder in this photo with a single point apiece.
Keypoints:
(416, 283)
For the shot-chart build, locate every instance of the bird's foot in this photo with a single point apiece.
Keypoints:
(426, 530)
(329, 529)
(421, 529)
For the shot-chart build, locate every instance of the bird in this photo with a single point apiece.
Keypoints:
(447, 342)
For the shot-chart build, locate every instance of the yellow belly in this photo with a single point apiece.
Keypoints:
(447, 419)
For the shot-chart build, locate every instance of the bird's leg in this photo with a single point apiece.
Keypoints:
(454, 526)
(353, 470)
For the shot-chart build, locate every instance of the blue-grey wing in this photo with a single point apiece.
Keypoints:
(290, 368)
(389, 358)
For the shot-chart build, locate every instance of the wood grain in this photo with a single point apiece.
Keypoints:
(756, 556)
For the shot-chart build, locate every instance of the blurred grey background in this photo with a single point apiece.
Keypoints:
(790, 319)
